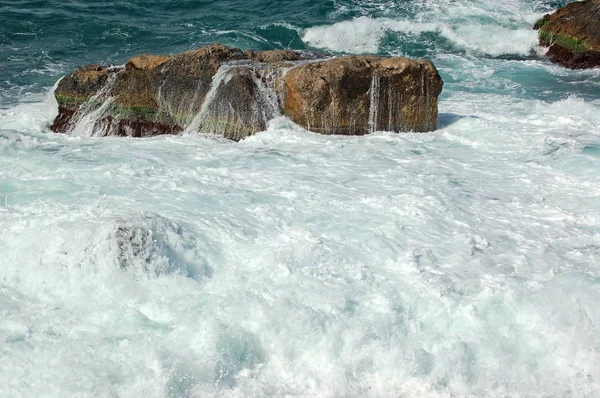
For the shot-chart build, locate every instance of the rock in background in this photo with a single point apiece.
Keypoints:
(572, 34)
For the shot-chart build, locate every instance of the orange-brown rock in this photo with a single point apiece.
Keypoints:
(361, 94)
(572, 34)
(151, 95)
(147, 61)
(273, 56)
(225, 91)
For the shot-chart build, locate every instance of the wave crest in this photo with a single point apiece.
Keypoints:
(365, 35)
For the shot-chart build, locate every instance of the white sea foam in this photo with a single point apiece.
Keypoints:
(458, 263)
(35, 116)
(364, 35)
(478, 26)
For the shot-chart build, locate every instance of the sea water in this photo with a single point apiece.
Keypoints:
(459, 263)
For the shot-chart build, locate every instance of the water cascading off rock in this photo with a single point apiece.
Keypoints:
(361, 94)
(227, 92)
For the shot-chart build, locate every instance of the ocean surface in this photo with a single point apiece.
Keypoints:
(460, 263)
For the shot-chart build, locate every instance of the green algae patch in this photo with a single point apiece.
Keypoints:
(572, 43)
(116, 110)
(541, 23)
(68, 100)
(138, 112)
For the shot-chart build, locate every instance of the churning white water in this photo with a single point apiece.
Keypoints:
(459, 263)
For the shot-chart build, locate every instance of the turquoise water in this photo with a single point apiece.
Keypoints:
(461, 263)
(43, 40)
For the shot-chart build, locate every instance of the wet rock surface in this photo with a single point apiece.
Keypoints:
(231, 93)
(361, 94)
(572, 34)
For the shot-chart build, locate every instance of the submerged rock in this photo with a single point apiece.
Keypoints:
(231, 93)
(154, 245)
(572, 34)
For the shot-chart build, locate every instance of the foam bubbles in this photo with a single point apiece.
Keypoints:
(451, 264)
(34, 117)
(146, 245)
(361, 35)
(478, 27)
(492, 40)
(457, 263)
(364, 35)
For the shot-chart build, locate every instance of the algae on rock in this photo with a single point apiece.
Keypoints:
(572, 34)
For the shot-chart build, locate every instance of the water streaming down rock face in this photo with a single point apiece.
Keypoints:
(82, 114)
(95, 101)
(87, 120)
(230, 93)
(374, 104)
(342, 96)
(241, 100)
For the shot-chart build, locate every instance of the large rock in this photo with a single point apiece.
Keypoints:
(151, 95)
(356, 95)
(572, 34)
(228, 92)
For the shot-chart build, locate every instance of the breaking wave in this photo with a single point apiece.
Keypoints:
(366, 34)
